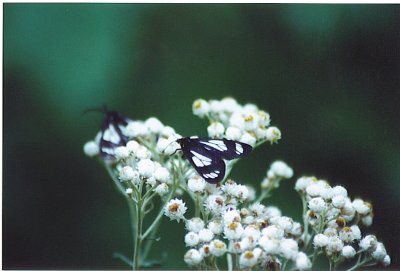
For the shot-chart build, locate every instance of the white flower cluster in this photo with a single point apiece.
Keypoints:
(229, 119)
(278, 171)
(336, 220)
(254, 235)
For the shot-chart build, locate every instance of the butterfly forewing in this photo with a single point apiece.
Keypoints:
(112, 135)
(206, 155)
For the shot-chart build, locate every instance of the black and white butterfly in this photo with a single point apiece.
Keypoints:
(111, 134)
(207, 155)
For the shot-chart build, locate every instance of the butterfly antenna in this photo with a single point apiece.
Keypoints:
(102, 109)
(169, 145)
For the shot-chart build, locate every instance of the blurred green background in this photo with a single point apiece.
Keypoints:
(327, 74)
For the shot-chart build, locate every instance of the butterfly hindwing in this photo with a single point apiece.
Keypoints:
(206, 155)
(112, 135)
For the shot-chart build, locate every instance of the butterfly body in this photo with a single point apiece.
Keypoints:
(207, 155)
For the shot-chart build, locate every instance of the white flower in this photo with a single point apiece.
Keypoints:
(195, 224)
(214, 203)
(348, 252)
(281, 169)
(284, 222)
(229, 104)
(289, 248)
(233, 230)
(127, 174)
(272, 211)
(206, 235)
(379, 252)
(196, 184)
(215, 106)
(200, 108)
(162, 189)
(136, 128)
(297, 229)
(303, 182)
(249, 258)
(263, 118)
(247, 243)
(132, 146)
(339, 191)
(320, 240)
(217, 248)
(146, 168)
(273, 232)
(302, 261)
(233, 133)
(346, 235)
(248, 139)
(386, 260)
(334, 244)
(250, 121)
(128, 191)
(252, 231)
(175, 209)
(273, 134)
(121, 152)
(230, 216)
(237, 120)
(314, 189)
(142, 152)
(317, 205)
(356, 232)
(215, 130)
(236, 190)
(348, 210)
(338, 201)
(191, 239)
(193, 257)
(215, 226)
(154, 125)
(361, 207)
(161, 174)
(168, 131)
(367, 220)
(91, 148)
(205, 250)
(270, 246)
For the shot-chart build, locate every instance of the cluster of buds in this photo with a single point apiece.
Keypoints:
(229, 119)
(335, 220)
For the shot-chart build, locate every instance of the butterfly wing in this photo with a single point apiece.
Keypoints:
(225, 148)
(112, 135)
(208, 164)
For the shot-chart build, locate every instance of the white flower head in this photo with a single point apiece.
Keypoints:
(346, 235)
(273, 134)
(289, 248)
(127, 174)
(142, 153)
(206, 235)
(132, 146)
(361, 207)
(317, 205)
(233, 231)
(379, 252)
(367, 220)
(217, 248)
(250, 258)
(146, 168)
(348, 252)
(303, 182)
(231, 216)
(91, 148)
(193, 257)
(281, 169)
(154, 125)
(248, 139)
(175, 209)
(121, 152)
(195, 224)
(339, 191)
(334, 244)
(128, 191)
(338, 201)
(136, 129)
(196, 184)
(214, 203)
(273, 232)
(191, 239)
(320, 240)
(302, 261)
(162, 189)
(233, 133)
(215, 226)
(162, 175)
(252, 231)
(200, 108)
(216, 130)
(386, 260)
(270, 245)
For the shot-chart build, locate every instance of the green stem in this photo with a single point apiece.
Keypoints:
(138, 239)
